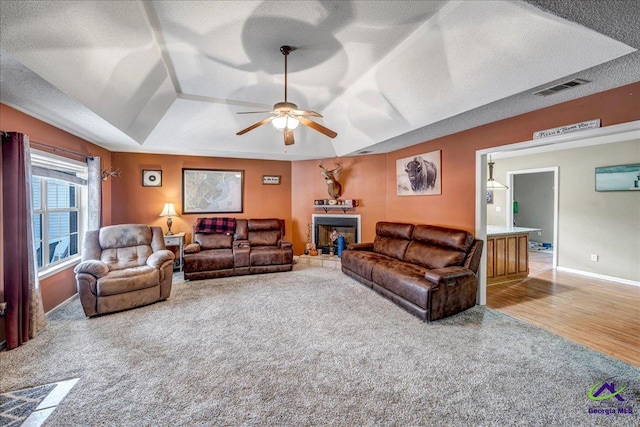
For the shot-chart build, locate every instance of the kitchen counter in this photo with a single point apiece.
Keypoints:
(501, 230)
(507, 253)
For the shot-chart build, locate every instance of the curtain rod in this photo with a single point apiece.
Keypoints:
(61, 149)
(54, 148)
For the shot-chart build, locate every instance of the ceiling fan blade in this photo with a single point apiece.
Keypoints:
(255, 125)
(315, 126)
(306, 113)
(253, 112)
(288, 137)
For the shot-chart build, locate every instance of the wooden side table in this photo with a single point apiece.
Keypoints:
(176, 239)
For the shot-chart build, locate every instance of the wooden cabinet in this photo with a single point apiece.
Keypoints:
(507, 257)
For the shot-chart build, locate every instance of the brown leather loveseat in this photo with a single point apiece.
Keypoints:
(430, 271)
(250, 246)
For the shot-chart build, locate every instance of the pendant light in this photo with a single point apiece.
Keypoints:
(492, 184)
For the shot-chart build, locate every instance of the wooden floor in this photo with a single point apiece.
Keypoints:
(599, 314)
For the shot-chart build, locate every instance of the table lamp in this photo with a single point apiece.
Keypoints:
(169, 210)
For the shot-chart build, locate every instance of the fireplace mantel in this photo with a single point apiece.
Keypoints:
(327, 208)
(343, 205)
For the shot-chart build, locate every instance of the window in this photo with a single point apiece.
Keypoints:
(59, 209)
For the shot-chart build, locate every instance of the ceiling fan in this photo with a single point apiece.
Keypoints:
(286, 115)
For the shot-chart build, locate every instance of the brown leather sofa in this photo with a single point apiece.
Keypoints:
(430, 271)
(256, 246)
(123, 266)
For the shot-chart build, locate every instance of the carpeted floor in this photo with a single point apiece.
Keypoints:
(312, 347)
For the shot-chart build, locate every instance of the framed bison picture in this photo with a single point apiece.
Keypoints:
(419, 175)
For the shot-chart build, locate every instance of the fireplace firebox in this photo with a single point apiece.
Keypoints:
(347, 226)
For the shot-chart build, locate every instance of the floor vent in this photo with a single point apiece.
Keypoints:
(560, 87)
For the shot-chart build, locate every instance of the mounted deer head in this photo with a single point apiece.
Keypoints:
(333, 186)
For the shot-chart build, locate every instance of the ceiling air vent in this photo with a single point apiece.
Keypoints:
(560, 87)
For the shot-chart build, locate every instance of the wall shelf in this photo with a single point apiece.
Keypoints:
(327, 208)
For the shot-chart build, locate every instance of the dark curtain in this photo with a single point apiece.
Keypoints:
(24, 315)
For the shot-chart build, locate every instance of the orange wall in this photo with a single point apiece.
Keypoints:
(456, 206)
(372, 180)
(57, 288)
(362, 178)
(133, 203)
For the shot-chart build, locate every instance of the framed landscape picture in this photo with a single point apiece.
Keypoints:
(212, 191)
(419, 175)
(618, 178)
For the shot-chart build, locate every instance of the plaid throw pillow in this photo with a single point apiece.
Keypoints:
(216, 225)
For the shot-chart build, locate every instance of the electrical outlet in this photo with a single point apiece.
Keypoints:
(594, 257)
(498, 208)
(539, 233)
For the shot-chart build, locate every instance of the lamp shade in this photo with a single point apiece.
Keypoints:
(492, 184)
(285, 123)
(168, 210)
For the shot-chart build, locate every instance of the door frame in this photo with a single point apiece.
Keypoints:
(509, 202)
(591, 137)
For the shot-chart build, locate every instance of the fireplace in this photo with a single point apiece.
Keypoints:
(347, 226)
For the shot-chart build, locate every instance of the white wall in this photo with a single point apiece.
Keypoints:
(496, 212)
(590, 222)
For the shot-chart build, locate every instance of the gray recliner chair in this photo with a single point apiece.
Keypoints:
(123, 266)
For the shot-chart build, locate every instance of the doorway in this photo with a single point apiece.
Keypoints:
(533, 193)
(600, 136)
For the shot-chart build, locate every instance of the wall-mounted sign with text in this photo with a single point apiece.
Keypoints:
(591, 124)
(271, 179)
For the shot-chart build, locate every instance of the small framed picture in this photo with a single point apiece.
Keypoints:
(489, 197)
(270, 179)
(151, 178)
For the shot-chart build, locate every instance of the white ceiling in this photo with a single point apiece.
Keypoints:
(170, 76)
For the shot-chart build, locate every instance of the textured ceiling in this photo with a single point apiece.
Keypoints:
(170, 76)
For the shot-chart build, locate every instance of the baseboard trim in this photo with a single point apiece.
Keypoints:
(3, 344)
(62, 304)
(599, 276)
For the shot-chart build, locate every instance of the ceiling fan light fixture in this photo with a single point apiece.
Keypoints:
(284, 123)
